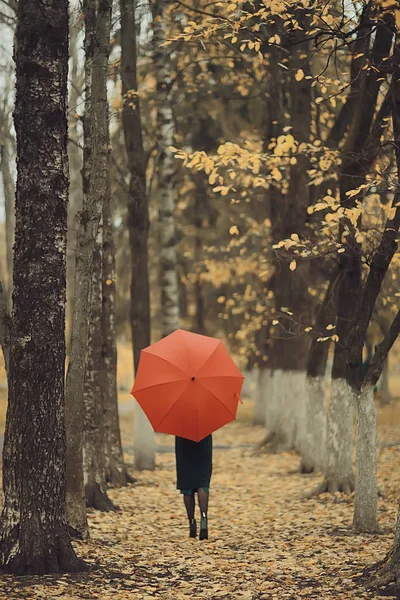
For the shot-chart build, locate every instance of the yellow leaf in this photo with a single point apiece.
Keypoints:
(221, 299)
(234, 230)
(275, 322)
(299, 75)
(308, 329)
(293, 265)
(329, 327)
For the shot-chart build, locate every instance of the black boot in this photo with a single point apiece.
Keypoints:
(192, 528)
(203, 527)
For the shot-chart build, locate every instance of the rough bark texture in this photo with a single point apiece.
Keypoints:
(366, 497)
(93, 447)
(34, 534)
(138, 213)
(115, 469)
(97, 44)
(165, 172)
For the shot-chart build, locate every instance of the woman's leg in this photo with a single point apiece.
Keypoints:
(190, 506)
(203, 503)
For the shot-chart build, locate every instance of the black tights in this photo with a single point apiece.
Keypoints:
(190, 504)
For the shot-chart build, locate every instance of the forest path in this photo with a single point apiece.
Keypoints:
(265, 541)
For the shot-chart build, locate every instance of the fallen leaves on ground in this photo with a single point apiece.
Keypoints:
(265, 541)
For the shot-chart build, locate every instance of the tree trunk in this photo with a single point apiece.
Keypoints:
(385, 384)
(138, 214)
(97, 44)
(165, 173)
(199, 325)
(116, 471)
(262, 388)
(339, 470)
(75, 164)
(93, 448)
(288, 214)
(314, 450)
(34, 535)
(9, 205)
(366, 497)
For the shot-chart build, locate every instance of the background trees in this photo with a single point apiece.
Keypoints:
(239, 178)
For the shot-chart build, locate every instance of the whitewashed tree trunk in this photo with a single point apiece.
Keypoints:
(314, 449)
(285, 409)
(271, 407)
(165, 173)
(366, 496)
(339, 470)
(261, 383)
(144, 445)
(288, 391)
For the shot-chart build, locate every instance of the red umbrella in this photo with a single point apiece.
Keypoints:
(188, 385)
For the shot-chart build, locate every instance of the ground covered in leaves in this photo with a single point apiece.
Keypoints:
(265, 540)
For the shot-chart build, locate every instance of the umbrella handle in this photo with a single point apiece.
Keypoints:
(239, 398)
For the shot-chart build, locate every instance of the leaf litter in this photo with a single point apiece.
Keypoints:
(266, 541)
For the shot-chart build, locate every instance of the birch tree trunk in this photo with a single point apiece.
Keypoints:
(97, 44)
(165, 171)
(75, 162)
(138, 221)
(115, 469)
(34, 535)
(93, 448)
(366, 496)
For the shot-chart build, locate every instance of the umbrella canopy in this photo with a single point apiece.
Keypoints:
(188, 385)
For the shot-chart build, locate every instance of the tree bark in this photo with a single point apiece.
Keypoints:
(138, 217)
(165, 173)
(93, 448)
(115, 469)
(34, 535)
(314, 451)
(366, 496)
(288, 216)
(97, 44)
(75, 163)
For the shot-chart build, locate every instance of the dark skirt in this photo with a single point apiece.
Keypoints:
(193, 463)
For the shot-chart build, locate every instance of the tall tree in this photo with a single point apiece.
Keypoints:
(165, 171)
(93, 446)
(138, 222)
(115, 469)
(97, 16)
(34, 534)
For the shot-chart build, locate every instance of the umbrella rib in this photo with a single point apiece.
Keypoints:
(171, 407)
(215, 396)
(146, 387)
(167, 361)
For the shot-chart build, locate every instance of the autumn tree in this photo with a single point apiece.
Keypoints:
(34, 534)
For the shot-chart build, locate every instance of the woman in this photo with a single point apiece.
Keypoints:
(193, 474)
